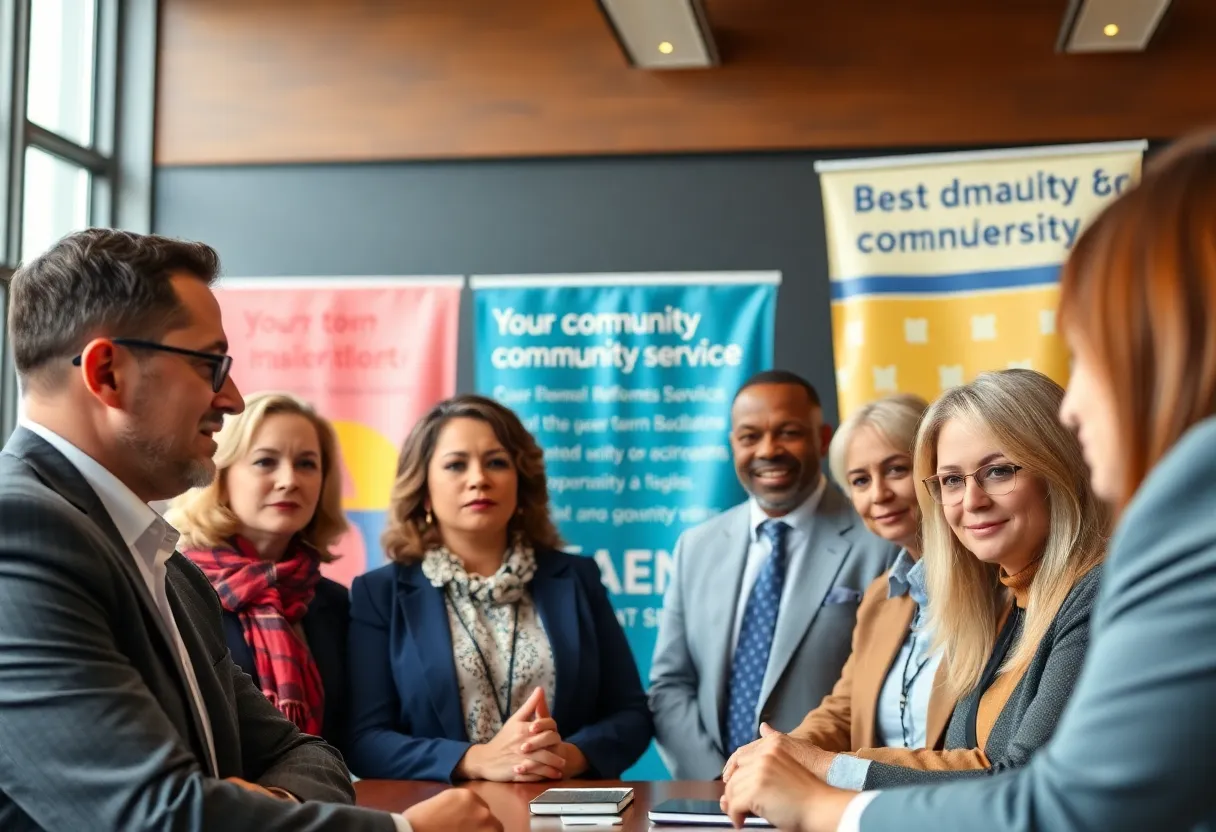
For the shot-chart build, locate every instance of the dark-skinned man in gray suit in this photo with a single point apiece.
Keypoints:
(120, 706)
(758, 619)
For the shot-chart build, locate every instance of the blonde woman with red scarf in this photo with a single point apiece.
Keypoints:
(260, 533)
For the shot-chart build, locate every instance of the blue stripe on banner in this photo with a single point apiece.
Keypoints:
(945, 283)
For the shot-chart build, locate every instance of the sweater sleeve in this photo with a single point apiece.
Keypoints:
(1037, 714)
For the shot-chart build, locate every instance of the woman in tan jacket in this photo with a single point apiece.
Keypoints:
(888, 693)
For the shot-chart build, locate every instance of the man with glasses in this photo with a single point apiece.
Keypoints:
(120, 707)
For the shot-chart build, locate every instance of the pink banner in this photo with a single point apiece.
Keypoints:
(371, 354)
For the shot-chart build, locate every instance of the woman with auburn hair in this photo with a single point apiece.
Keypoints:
(482, 652)
(260, 532)
(890, 692)
(1137, 294)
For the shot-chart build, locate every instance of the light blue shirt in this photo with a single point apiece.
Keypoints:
(914, 669)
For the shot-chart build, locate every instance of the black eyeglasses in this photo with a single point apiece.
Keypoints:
(221, 364)
(996, 480)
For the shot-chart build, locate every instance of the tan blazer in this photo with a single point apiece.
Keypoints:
(847, 718)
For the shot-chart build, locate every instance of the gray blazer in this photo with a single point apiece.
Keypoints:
(689, 674)
(97, 727)
(1131, 749)
(1029, 717)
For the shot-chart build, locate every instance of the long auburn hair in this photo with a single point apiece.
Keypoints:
(1139, 290)
(1019, 409)
(408, 536)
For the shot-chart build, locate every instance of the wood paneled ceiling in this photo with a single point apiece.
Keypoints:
(271, 81)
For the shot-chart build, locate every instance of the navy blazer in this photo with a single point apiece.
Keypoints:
(325, 625)
(406, 719)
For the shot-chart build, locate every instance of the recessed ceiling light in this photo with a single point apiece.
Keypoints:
(1110, 30)
(666, 48)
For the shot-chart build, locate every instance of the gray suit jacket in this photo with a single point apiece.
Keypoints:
(97, 726)
(689, 674)
(1130, 752)
(1033, 710)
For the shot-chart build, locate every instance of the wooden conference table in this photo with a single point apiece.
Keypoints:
(509, 801)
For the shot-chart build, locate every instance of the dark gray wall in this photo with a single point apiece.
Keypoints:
(636, 213)
(528, 216)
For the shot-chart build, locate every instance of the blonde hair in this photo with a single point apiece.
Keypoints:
(894, 418)
(201, 514)
(407, 535)
(1020, 409)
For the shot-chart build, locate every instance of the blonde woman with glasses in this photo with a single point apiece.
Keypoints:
(1013, 541)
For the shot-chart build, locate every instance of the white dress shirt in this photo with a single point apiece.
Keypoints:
(799, 520)
(151, 541)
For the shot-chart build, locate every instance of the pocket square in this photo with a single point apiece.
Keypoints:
(842, 595)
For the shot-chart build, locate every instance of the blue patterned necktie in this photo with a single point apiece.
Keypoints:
(755, 641)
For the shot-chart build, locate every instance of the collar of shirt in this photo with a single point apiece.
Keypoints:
(799, 520)
(142, 529)
(907, 577)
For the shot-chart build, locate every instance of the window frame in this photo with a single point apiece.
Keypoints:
(119, 159)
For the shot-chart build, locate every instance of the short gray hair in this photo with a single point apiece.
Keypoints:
(896, 419)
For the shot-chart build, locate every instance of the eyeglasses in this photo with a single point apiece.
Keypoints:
(221, 364)
(995, 480)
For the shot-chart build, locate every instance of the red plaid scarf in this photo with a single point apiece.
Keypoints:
(270, 598)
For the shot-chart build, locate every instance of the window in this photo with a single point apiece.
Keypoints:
(65, 140)
(56, 200)
(8, 379)
(63, 50)
(77, 81)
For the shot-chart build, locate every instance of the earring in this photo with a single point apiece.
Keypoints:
(430, 519)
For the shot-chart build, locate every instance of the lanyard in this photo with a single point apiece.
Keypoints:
(504, 712)
(906, 683)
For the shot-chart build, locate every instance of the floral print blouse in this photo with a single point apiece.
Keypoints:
(493, 620)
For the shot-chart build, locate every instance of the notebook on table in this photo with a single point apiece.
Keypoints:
(581, 801)
(698, 813)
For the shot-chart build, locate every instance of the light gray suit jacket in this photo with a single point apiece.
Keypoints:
(1132, 748)
(98, 729)
(689, 674)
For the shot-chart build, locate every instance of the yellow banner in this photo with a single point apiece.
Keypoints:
(946, 265)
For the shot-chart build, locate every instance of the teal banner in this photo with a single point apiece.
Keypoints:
(626, 381)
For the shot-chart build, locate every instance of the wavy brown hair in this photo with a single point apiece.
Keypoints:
(1139, 290)
(408, 536)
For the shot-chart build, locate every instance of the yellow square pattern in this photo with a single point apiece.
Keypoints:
(925, 345)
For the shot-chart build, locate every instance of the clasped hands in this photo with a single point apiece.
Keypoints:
(810, 756)
(780, 778)
(527, 749)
